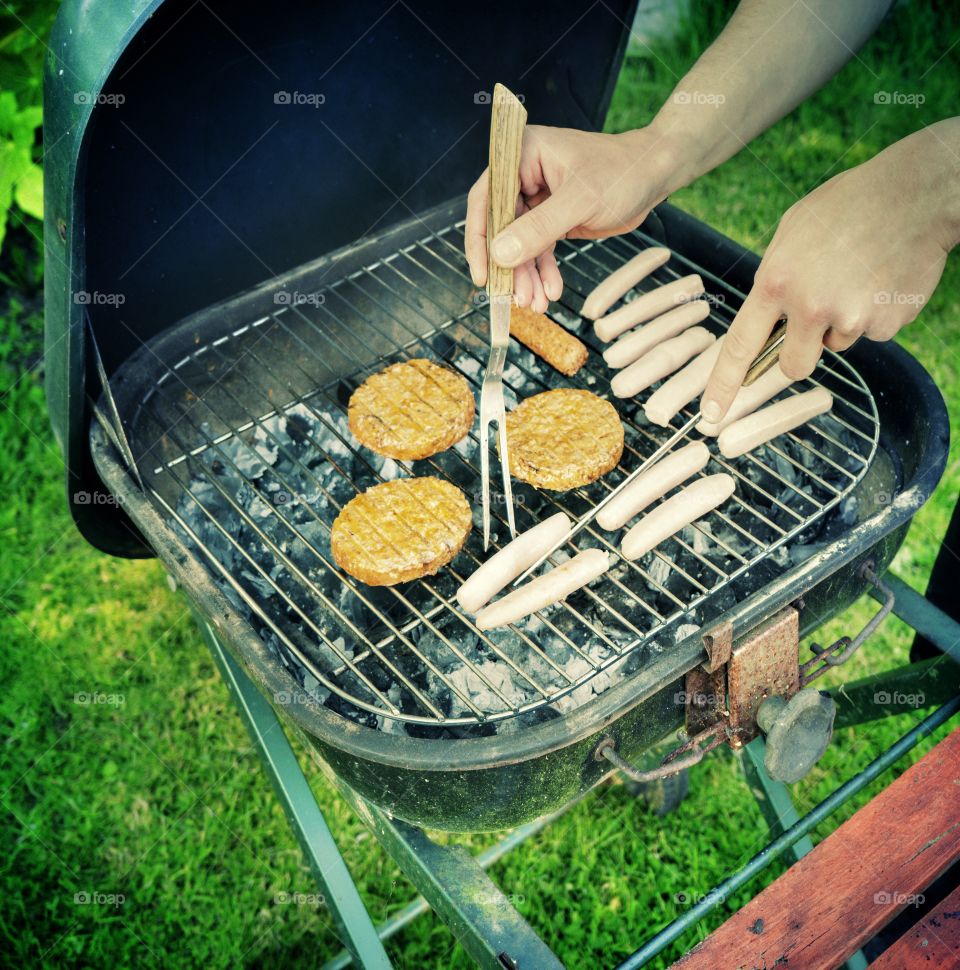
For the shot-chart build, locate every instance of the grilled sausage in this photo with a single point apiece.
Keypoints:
(671, 470)
(758, 428)
(648, 306)
(679, 510)
(661, 361)
(632, 346)
(673, 395)
(549, 588)
(605, 294)
(516, 556)
(548, 340)
(748, 399)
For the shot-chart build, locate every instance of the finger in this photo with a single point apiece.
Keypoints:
(539, 301)
(523, 283)
(475, 230)
(743, 341)
(802, 347)
(550, 275)
(537, 230)
(838, 341)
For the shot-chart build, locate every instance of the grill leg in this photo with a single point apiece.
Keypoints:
(451, 880)
(354, 926)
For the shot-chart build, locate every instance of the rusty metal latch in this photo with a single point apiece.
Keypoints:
(844, 648)
(724, 695)
(699, 745)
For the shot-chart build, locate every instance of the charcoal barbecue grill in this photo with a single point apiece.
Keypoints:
(209, 403)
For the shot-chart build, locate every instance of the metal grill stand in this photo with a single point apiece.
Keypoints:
(451, 882)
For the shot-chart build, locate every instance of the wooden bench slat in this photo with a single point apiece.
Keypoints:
(933, 942)
(854, 882)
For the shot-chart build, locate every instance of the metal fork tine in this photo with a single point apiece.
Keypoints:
(485, 467)
(505, 469)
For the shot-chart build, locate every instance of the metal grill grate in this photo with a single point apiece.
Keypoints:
(243, 443)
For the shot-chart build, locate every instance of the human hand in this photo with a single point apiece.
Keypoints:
(573, 184)
(859, 256)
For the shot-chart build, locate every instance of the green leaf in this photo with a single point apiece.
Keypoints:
(29, 191)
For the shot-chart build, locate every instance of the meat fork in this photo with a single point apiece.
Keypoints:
(507, 121)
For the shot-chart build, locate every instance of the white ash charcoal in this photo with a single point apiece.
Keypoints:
(571, 321)
(471, 367)
(324, 654)
(439, 654)
(528, 659)
(466, 446)
(479, 686)
(389, 470)
(659, 570)
(390, 725)
(260, 584)
(312, 685)
(302, 413)
(266, 439)
(781, 556)
(848, 510)
(702, 539)
(685, 630)
(783, 467)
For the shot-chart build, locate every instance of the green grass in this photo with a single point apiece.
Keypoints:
(156, 795)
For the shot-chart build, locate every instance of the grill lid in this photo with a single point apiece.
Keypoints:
(195, 150)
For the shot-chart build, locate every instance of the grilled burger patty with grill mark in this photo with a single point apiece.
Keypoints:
(401, 530)
(563, 439)
(411, 410)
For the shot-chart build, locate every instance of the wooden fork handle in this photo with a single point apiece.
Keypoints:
(507, 122)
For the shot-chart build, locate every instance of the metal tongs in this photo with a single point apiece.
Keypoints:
(506, 138)
(768, 356)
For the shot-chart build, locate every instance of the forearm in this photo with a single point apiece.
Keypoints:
(926, 166)
(770, 57)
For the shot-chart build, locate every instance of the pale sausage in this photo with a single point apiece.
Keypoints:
(648, 306)
(673, 395)
(758, 428)
(515, 557)
(661, 361)
(748, 399)
(605, 294)
(549, 588)
(654, 483)
(694, 502)
(632, 346)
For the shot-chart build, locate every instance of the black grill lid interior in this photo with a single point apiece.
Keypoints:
(209, 163)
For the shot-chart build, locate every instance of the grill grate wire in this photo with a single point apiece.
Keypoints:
(419, 302)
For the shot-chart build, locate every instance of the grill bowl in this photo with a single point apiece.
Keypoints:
(527, 768)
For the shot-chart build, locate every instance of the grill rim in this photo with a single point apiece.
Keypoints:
(594, 714)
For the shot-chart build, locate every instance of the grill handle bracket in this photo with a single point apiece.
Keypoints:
(843, 649)
(690, 753)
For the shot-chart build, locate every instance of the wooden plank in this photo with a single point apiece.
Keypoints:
(854, 882)
(933, 942)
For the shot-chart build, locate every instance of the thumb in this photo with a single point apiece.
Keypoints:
(537, 230)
